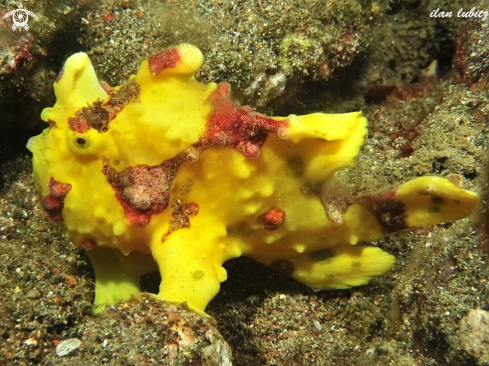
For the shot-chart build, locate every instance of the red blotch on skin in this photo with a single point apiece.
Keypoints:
(58, 189)
(78, 124)
(113, 113)
(120, 98)
(142, 190)
(88, 244)
(163, 60)
(135, 217)
(273, 219)
(53, 203)
(238, 127)
(191, 209)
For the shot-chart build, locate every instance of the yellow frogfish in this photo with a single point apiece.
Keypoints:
(167, 173)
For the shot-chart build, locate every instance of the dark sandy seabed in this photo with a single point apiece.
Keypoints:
(281, 57)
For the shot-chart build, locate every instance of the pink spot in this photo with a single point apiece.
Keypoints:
(58, 189)
(53, 203)
(191, 209)
(273, 219)
(134, 216)
(142, 190)
(238, 127)
(113, 113)
(88, 244)
(166, 59)
(78, 124)
(248, 149)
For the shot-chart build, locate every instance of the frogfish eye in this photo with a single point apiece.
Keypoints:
(81, 141)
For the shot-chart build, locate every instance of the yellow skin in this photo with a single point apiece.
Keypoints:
(163, 112)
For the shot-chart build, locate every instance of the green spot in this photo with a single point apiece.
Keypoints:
(294, 167)
(240, 230)
(356, 264)
(197, 275)
(424, 192)
(437, 200)
(321, 255)
(182, 188)
(433, 209)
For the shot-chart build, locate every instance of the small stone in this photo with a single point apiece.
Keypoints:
(19, 272)
(34, 294)
(67, 346)
(474, 334)
(317, 325)
(31, 342)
